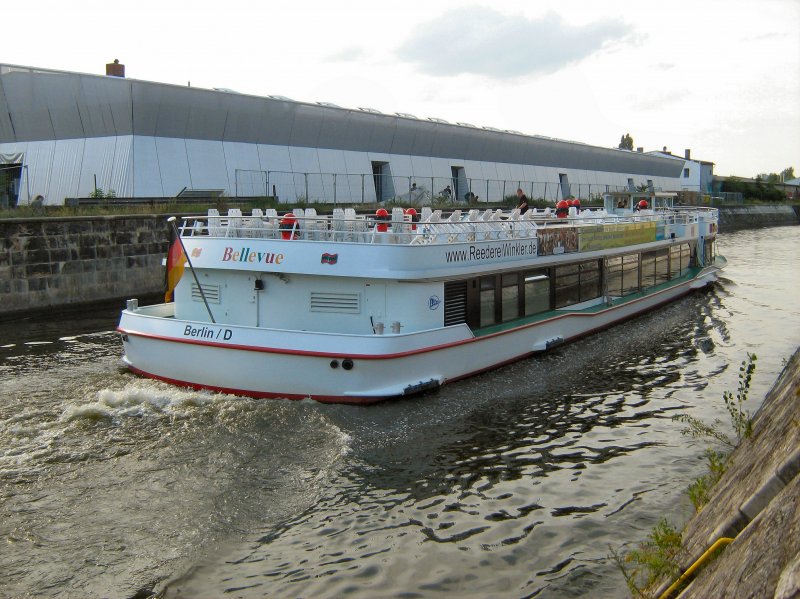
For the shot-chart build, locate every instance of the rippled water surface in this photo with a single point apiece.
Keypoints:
(512, 484)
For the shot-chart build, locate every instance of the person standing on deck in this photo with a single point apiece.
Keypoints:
(522, 203)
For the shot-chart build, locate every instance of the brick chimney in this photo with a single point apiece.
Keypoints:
(114, 69)
(687, 154)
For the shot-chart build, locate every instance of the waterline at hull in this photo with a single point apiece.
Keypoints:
(356, 369)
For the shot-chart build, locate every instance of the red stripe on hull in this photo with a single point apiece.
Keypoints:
(298, 352)
(342, 399)
(370, 400)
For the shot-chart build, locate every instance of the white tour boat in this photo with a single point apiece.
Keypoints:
(356, 308)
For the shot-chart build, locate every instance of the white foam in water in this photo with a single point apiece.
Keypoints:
(136, 400)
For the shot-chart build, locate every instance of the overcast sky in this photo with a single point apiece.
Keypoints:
(719, 77)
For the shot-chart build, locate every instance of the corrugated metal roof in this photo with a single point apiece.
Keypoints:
(41, 104)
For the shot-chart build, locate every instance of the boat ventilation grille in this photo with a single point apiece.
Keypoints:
(455, 303)
(345, 303)
(210, 291)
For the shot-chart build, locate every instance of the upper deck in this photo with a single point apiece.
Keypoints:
(400, 245)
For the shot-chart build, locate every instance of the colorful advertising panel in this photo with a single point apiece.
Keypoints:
(605, 237)
(559, 240)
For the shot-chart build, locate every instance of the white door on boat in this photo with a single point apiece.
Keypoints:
(375, 302)
(239, 300)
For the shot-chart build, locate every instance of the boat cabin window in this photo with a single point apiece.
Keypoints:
(648, 267)
(662, 266)
(708, 254)
(496, 299)
(655, 268)
(623, 275)
(487, 301)
(537, 291)
(576, 283)
(679, 260)
(567, 285)
(591, 280)
(510, 296)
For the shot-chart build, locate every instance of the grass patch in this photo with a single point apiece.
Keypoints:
(655, 558)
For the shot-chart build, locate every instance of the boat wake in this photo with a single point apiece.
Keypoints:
(141, 400)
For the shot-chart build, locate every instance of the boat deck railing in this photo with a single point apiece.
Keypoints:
(430, 227)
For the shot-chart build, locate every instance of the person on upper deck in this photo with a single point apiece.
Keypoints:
(522, 201)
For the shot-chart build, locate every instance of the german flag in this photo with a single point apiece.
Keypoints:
(175, 261)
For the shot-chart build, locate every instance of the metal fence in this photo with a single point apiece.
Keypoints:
(292, 187)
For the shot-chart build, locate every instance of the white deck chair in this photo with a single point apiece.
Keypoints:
(527, 225)
(234, 223)
(349, 224)
(252, 226)
(474, 219)
(337, 231)
(399, 226)
(429, 227)
(215, 228)
(454, 227)
(496, 225)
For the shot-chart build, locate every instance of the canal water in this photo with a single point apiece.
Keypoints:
(517, 483)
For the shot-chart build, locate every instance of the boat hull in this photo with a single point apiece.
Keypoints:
(355, 369)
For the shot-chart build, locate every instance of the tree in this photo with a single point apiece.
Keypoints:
(773, 178)
(768, 178)
(626, 142)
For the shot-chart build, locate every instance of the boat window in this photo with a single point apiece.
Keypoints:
(648, 269)
(708, 254)
(675, 261)
(510, 296)
(630, 274)
(577, 283)
(567, 281)
(537, 292)
(662, 266)
(590, 280)
(686, 258)
(487, 288)
(614, 275)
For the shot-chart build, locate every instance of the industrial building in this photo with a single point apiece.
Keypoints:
(66, 135)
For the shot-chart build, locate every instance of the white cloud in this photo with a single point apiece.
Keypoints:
(482, 41)
(348, 54)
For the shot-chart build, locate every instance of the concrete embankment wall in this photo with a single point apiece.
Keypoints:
(48, 262)
(743, 217)
(757, 501)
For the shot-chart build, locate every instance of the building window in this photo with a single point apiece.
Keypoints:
(686, 173)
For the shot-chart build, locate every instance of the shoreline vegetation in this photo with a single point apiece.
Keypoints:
(657, 557)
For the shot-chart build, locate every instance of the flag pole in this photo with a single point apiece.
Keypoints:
(171, 221)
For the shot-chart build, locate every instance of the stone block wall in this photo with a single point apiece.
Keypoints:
(744, 217)
(46, 262)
